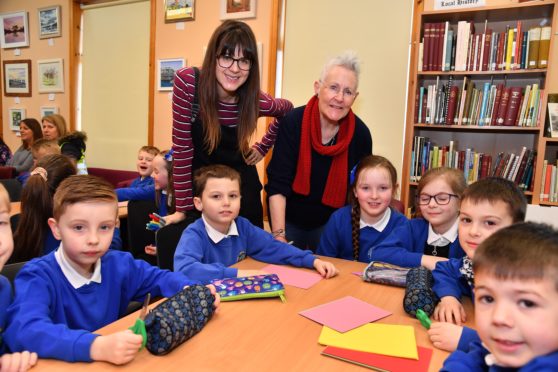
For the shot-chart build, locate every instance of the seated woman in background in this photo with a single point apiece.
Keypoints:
(33, 237)
(317, 146)
(22, 160)
(54, 126)
(5, 152)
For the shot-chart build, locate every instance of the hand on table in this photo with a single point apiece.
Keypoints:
(450, 310)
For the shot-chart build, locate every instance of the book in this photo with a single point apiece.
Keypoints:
(498, 96)
(486, 49)
(452, 105)
(503, 106)
(534, 43)
(542, 195)
(542, 60)
(509, 49)
(514, 101)
(445, 45)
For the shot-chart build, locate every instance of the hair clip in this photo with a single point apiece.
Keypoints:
(168, 155)
(353, 173)
(41, 172)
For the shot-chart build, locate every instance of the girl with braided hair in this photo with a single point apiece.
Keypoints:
(352, 230)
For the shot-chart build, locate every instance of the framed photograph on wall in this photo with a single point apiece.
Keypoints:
(553, 119)
(238, 9)
(17, 78)
(179, 10)
(51, 75)
(15, 30)
(49, 22)
(48, 110)
(165, 72)
(16, 115)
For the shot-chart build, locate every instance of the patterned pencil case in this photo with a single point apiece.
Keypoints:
(244, 288)
(384, 273)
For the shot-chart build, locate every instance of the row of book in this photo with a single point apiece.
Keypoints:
(443, 49)
(490, 105)
(549, 185)
(518, 168)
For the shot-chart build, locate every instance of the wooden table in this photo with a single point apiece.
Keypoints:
(267, 335)
(122, 208)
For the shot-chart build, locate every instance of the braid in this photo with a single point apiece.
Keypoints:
(355, 222)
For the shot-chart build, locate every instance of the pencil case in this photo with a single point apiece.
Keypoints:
(244, 288)
(384, 273)
(419, 293)
(178, 319)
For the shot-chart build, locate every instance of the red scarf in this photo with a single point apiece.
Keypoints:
(335, 191)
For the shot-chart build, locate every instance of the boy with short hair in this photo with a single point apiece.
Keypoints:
(221, 238)
(141, 187)
(39, 149)
(516, 302)
(487, 205)
(64, 296)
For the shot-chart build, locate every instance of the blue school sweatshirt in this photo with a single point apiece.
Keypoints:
(474, 360)
(337, 238)
(197, 256)
(142, 182)
(52, 318)
(5, 300)
(405, 245)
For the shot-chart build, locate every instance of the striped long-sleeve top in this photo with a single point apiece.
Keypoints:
(183, 145)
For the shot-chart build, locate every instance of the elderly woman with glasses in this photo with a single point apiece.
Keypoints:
(317, 146)
(215, 114)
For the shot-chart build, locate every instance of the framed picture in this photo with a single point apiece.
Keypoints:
(17, 78)
(167, 69)
(236, 9)
(179, 10)
(51, 75)
(48, 111)
(49, 22)
(16, 30)
(553, 119)
(16, 116)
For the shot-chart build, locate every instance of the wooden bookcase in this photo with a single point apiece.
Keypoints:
(487, 139)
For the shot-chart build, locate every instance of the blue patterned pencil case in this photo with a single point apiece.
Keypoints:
(257, 286)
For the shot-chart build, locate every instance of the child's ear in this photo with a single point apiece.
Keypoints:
(54, 227)
(198, 203)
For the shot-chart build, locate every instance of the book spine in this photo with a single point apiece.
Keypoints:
(452, 105)
(542, 195)
(448, 50)
(444, 46)
(509, 49)
(487, 47)
(485, 96)
(513, 106)
(524, 41)
(534, 43)
(502, 109)
(494, 115)
(544, 47)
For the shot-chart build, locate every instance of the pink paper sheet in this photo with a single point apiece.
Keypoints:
(345, 314)
(295, 277)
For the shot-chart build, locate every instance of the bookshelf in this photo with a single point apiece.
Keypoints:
(443, 128)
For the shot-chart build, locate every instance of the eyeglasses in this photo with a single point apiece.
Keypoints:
(336, 89)
(442, 198)
(227, 61)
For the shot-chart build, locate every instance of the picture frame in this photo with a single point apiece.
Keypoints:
(50, 22)
(179, 10)
(17, 78)
(15, 28)
(238, 9)
(166, 70)
(48, 110)
(553, 119)
(16, 115)
(51, 75)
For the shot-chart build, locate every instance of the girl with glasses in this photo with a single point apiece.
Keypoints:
(432, 236)
(215, 114)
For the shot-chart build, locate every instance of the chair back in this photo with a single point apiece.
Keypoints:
(10, 271)
(14, 220)
(7, 172)
(167, 239)
(138, 235)
(13, 187)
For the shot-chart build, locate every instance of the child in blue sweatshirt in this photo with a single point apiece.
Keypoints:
(143, 186)
(16, 361)
(63, 297)
(352, 230)
(487, 206)
(516, 303)
(432, 237)
(221, 238)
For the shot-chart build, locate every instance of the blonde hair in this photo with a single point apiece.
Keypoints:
(59, 122)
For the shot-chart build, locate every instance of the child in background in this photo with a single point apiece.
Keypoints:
(64, 296)
(144, 165)
(516, 302)
(73, 146)
(487, 206)
(221, 238)
(433, 236)
(369, 219)
(40, 148)
(16, 361)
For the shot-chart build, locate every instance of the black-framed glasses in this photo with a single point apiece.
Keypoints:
(227, 61)
(442, 198)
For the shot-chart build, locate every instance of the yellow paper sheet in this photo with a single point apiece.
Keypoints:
(387, 339)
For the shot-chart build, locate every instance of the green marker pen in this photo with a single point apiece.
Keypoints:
(423, 318)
